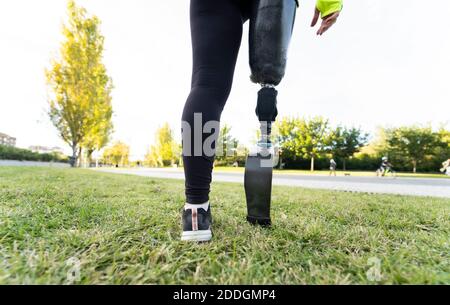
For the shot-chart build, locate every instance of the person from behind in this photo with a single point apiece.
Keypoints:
(446, 167)
(333, 165)
(385, 167)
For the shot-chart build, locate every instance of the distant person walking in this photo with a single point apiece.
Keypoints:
(446, 167)
(333, 165)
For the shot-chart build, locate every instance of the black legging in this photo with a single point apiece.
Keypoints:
(216, 28)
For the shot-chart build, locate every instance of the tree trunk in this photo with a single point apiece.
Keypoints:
(344, 164)
(80, 150)
(89, 157)
(312, 164)
(414, 166)
(73, 159)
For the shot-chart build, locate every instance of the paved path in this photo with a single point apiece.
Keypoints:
(32, 163)
(402, 186)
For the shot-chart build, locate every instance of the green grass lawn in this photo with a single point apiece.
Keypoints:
(126, 229)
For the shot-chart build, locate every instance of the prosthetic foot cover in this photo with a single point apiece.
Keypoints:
(258, 189)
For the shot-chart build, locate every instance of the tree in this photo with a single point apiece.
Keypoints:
(284, 131)
(166, 150)
(304, 138)
(152, 159)
(345, 142)
(412, 143)
(378, 146)
(117, 155)
(442, 150)
(80, 103)
(226, 146)
(99, 136)
(444, 140)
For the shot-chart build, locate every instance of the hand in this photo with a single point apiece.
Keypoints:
(327, 22)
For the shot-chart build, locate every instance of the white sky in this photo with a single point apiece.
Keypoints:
(384, 63)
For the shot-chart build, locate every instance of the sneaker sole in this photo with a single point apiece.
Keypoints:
(205, 235)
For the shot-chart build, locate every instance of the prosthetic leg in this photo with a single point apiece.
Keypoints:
(271, 25)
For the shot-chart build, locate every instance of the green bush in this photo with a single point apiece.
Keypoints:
(365, 162)
(19, 154)
(362, 162)
(305, 164)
